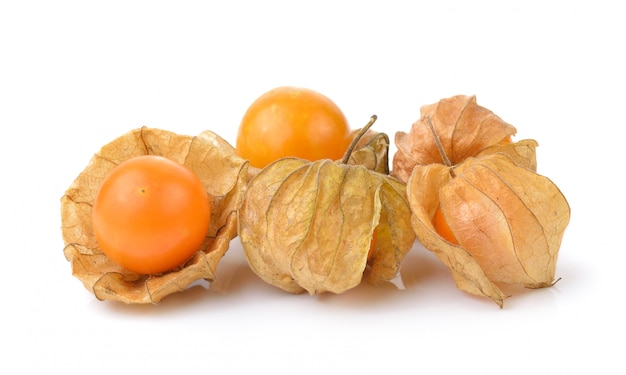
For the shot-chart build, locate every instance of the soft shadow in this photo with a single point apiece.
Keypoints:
(428, 281)
(363, 295)
(181, 301)
(232, 274)
(425, 275)
(420, 267)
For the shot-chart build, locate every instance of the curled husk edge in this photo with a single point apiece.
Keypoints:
(224, 176)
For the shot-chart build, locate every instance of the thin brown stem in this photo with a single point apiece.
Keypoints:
(355, 140)
(442, 152)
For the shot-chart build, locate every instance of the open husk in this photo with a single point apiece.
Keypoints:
(308, 226)
(224, 176)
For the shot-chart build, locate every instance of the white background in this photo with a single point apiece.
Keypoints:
(76, 74)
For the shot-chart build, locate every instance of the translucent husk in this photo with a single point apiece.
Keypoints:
(464, 129)
(508, 220)
(224, 176)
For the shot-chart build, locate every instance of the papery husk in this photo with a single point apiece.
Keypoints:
(509, 222)
(464, 129)
(307, 226)
(224, 176)
(523, 153)
(371, 151)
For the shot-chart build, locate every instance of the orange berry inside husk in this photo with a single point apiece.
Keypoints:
(442, 227)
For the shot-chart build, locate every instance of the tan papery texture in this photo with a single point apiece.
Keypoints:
(464, 129)
(522, 153)
(372, 151)
(308, 226)
(509, 221)
(223, 174)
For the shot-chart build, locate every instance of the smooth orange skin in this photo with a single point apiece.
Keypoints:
(150, 214)
(442, 228)
(292, 121)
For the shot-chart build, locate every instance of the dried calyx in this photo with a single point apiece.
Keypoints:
(224, 176)
(506, 221)
(308, 226)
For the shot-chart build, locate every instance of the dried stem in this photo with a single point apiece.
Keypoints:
(442, 152)
(355, 141)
